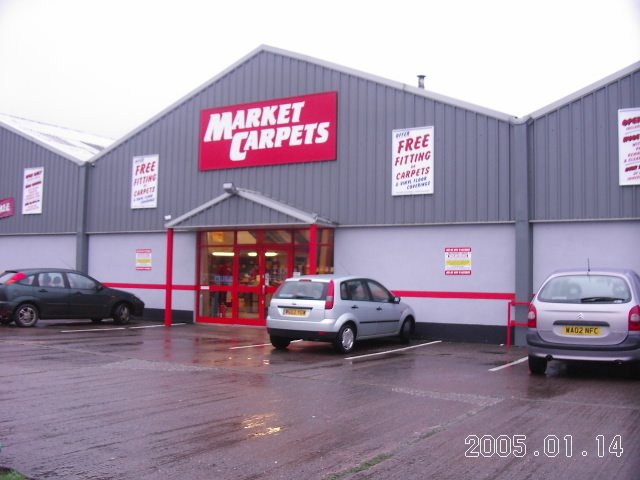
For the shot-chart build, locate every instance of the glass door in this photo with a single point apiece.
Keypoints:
(248, 281)
(277, 269)
(261, 270)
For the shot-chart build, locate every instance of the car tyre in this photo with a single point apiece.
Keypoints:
(537, 365)
(407, 330)
(121, 314)
(280, 343)
(346, 339)
(26, 315)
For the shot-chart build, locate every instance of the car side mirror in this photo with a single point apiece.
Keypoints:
(396, 299)
(99, 287)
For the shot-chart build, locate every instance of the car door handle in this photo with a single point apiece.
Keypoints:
(379, 308)
(354, 306)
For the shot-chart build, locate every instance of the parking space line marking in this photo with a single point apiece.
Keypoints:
(495, 369)
(393, 351)
(258, 345)
(84, 330)
(156, 326)
(92, 330)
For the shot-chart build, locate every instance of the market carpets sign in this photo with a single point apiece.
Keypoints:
(412, 161)
(629, 146)
(6, 207)
(273, 132)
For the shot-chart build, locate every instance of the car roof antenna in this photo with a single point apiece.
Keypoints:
(588, 266)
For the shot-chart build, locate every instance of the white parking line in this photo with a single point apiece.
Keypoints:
(392, 351)
(258, 345)
(116, 328)
(156, 326)
(495, 369)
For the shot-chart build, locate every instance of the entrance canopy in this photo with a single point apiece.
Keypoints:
(241, 207)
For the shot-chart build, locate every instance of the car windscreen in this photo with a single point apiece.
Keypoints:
(585, 288)
(308, 290)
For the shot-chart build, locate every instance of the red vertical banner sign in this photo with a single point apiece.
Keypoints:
(169, 280)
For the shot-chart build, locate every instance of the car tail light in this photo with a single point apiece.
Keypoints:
(634, 318)
(328, 304)
(532, 317)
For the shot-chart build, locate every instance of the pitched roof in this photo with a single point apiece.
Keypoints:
(285, 214)
(329, 65)
(79, 147)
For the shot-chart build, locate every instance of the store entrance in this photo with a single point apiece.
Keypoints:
(241, 269)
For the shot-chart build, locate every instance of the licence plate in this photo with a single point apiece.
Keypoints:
(581, 330)
(295, 312)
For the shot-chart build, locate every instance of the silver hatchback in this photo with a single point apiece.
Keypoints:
(336, 309)
(585, 315)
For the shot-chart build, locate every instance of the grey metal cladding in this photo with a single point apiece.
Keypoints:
(60, 197)
(472, 174)
(575, 156)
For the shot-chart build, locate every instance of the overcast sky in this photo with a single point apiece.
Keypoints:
(107, 66)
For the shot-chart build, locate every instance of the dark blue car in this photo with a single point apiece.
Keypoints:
(29, 295)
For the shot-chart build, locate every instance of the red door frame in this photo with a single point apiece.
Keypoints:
(168, 317)
(235, 289)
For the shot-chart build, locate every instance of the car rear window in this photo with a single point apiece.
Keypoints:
(11, 277)
(6, 276)
(585, 289)
(302, 289)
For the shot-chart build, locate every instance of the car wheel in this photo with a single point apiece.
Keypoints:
(537, 365)
(26, 315)
(346, 339)
(406, 331)
(121, 314)
(280, 343)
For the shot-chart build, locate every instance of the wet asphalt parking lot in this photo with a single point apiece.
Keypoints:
(85, 401)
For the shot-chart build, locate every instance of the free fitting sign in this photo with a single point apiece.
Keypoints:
(412, 161)
(273, 132)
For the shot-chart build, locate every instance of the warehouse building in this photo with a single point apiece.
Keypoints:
(284, 165)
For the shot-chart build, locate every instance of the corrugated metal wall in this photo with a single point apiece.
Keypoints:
(575, 157)
(60, 197)
(472, 170)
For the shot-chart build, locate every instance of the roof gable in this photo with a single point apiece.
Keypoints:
(239, 206)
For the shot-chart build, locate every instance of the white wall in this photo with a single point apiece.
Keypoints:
(112, 258)
(412, 258)
(569, 245)
(37, 251)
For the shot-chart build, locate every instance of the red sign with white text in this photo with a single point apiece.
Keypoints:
(273, 132)
(6, 207)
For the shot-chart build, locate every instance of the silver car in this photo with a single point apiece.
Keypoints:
(585, 315)
(337, 309)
